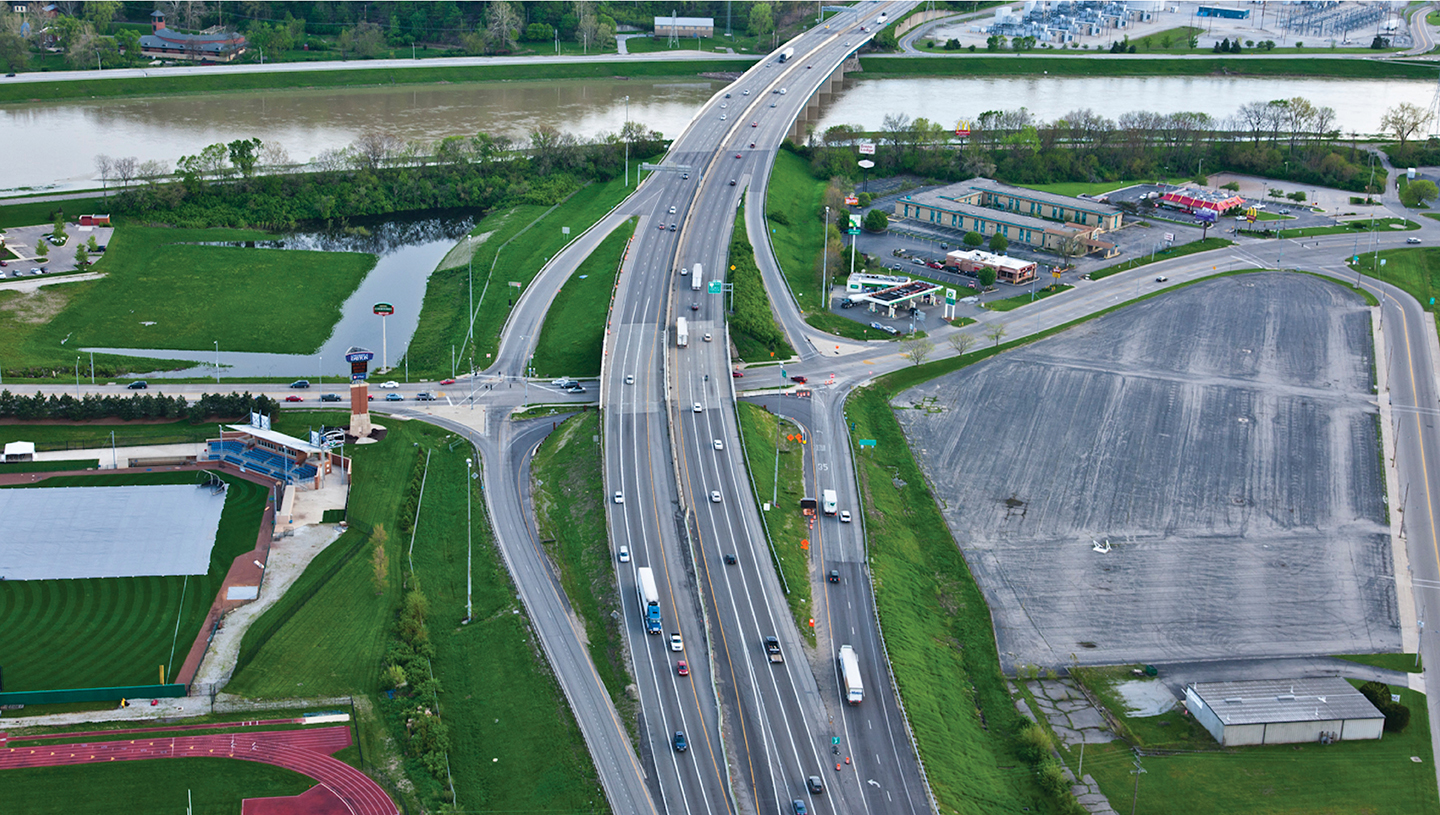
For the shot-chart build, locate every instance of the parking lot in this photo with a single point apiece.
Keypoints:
(1193, 477)
(22, 241)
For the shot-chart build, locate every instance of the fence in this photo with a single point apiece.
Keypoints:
(55, 697)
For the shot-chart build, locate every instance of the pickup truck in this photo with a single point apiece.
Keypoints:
(772, 650)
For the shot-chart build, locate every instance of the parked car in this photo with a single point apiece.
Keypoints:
(890, 329)
(877, 326)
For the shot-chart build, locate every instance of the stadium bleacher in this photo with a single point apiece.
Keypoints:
(259, 460)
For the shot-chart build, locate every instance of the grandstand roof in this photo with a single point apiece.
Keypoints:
(276, 437)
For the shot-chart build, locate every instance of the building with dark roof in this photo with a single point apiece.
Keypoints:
(1039, 219)
(211, 45)
(1283, 711)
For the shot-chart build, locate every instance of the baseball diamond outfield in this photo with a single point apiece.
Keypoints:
(1224, 439)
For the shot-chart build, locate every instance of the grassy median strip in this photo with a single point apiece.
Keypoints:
(1168, 254)
(175, 81)
(569, 508)
(572, 339)
(784, 524)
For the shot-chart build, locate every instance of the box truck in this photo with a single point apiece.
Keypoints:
(682, 333)
(850, 674)
(695, 281)
(831, 502)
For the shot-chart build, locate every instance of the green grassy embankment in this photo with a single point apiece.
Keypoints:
(570, 510)
(208, 786)
(534, 236)
(163, 82)
(1167, 254)
(103, 632)
(1408, 663)
(753, 330)
(572, 339)
(1012, 303)
(1099, 65)
(1416, 270)
(1350, 227)
(43, 212)
(1074, 188)
(784, 525)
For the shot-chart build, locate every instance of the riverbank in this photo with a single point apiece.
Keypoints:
(1108, 65)
(181, 81)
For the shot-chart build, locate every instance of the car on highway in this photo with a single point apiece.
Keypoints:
(447, 382)
(329, 397)
(719, 444)
(684, 271)
(1161, 278)
(672, 227)
(676, 644)
(137, 386)
(698, 409)
(754, 124)
(624, 554)
(660, 226)
(300, 383)
(390, 384)
(727, 96)
(619, 497)
(714, 496)
(424, 396)
(729, 559)
(732, 182)
(834, 576)
(685, 177)
(680, 745)
(844, 516)
(800, 808)
(708, 338)
(1412, 240)
(772, 104)
(672, 210)
(394, 397)
(752, 144)
(629, 379)
(815, 785)
(293, 398)
(694, 306)
(746, 92)
(682, 669)
(722, 117)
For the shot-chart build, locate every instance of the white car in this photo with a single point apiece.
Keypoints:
(1161, 279)
(719, 444)
(698, 409)
(722, 117)
(1412, 240)
(707, 336)
(672, 210)
(619, 497)
(390, 385)
(714, 496)
(844, 516)
(629, 379)
(624, 554)
(676, 644)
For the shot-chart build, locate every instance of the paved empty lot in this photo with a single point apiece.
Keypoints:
(1222, 438)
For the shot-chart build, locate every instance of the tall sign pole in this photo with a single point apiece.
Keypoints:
(384, 310)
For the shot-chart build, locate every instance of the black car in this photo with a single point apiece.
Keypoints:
(329, 397)
(834, 576)
(729, 559)
(300, 383)
(137, 386)
(732, 182)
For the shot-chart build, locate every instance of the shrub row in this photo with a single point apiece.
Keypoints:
(135, 406)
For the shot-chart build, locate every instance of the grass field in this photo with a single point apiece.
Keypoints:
(42, 212)
(784, 524)
(937, 627)
(177, 82)
(572, 339)
(1012, 303)
(1202, 778)
(1417, 271)
(797, 194)
(77, 437)
(1074, 188)
(1179, 41)
(1381, 225)
(570, 509)
(1409, 663)
(1088, 65)
(442, 316)
(333, 642)
(215, 785)
(104, 632)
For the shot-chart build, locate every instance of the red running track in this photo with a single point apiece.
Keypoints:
(86, 733)
(304, 751)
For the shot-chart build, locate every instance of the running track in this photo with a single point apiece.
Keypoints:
(304, 751)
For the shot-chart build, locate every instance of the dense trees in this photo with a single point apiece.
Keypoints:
(138, 406)
(1284, 138)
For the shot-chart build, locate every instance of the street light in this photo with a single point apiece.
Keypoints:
(468, 535)
(626, 130)
(217, 362)
(824, 260)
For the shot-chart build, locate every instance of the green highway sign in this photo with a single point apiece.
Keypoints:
(715, 286)
(866, 442)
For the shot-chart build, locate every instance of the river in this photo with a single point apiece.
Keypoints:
(407, 249)
(54, 145)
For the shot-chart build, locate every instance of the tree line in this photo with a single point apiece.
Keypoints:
(249, 182)
(1285, 138)
(137, 406)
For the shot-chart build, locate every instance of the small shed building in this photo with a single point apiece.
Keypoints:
(19, 451)
(1283, 711)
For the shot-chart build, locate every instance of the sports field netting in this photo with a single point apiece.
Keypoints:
(59, 533)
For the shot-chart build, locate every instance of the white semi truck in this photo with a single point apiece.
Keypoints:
(682, 333)
(695, 281)
(649, 599)
(850, 673)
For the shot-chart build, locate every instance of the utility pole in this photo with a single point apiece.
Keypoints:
(824, 261)
(469, 547)
(1135, 798)
(626, 132)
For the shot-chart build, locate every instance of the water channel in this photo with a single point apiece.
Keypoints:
(52, 145)
(408, 250)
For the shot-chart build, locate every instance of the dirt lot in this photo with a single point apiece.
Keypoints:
(1222, 438)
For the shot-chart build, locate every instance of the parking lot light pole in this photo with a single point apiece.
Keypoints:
(77, 377)
(217, 362)
(824, 260)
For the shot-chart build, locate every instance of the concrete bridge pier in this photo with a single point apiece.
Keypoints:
(799, 130)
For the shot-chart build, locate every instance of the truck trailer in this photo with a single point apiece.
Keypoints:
(695, 281)
(831, 502)
(649, 599)
(786, 54)
(850, 674)
(682, 333)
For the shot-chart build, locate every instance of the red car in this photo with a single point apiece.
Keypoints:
(798, 379)
(293, 398)
(447, 382)
(736, 374)
(754, 124)
(682, 669)
(737, 155)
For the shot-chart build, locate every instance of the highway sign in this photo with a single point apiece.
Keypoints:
(715, 286)
(384, 309)
(866, 442)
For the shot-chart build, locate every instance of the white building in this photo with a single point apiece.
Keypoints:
(1283, 711)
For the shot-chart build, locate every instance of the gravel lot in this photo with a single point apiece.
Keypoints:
(1222, 438)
